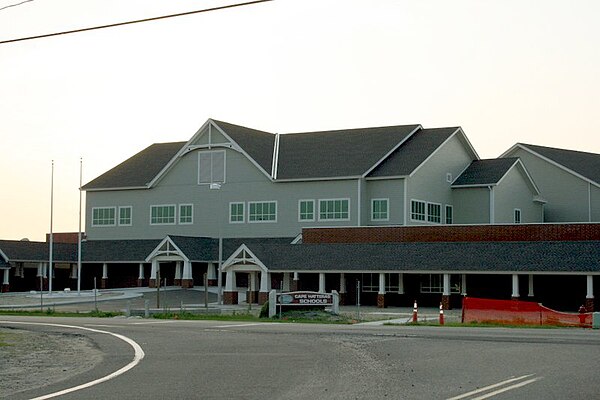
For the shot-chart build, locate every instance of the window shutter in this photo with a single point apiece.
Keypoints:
(218, 166)
(204, 167)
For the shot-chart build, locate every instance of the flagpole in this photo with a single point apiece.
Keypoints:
(51, 235)
(79, 235)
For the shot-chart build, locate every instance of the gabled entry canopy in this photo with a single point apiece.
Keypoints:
(244, 260)
(186, 248)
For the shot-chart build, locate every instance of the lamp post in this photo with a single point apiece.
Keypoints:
(217, 186)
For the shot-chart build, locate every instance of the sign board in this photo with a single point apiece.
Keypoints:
(305, 299)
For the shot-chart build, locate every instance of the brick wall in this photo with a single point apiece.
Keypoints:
(65, 237)
(453, 233)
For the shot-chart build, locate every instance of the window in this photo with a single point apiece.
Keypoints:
(449, 215)
(517, 216)
(334, 209)
(434, 283)
(211, 167)
(417, 210)
(306, 210)
(370, 282)
(103, 216)
(434, 213)
(236, 213)
(125, 216)
(265, 211)
(162, 215)
(379, 210)
(186, 214)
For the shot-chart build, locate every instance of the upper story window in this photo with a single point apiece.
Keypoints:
(306, 210)
(262, 211)
(449, 214)
(517, 216)
(211, 167)
(162, 215)
(186, 214)
(104, 216)
(334, 209)
(125, 216)
(434, 213)
(417, 210)
(236, 213)
(379, 210)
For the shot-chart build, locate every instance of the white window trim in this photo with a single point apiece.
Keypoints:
(387, 201)
(411, 212)
(179, 215)
(224, 167)
(446, 206)
(102, 226)
(520, 216)
(427, 212)
(314, 210)
(243, 212)
(119, 216)
(164, 205)
(336, 219)
(262, 222)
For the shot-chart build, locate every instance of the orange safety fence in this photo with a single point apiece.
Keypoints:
(516, 312)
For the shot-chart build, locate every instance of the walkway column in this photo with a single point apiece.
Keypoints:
(400, 283)
(295, 282)
(265, 287)
(530, 286)
(153, 273)
(381, 293)
(140, 281)
(286, 282)
(463, 285)
(177, 280)
(589, 297)
(342, 289)
(41, 281)
(253, 295)
(104, 280)
(5, 283)
(515, 287)
(230, 294)
(186, 278)
(321, 282)
(446, 292)
(212, 274)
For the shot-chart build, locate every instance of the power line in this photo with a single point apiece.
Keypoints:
(135, 21)
(15, 5)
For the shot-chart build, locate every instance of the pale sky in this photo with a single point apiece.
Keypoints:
(506, 71)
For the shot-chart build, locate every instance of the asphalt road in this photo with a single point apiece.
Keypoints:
(229, 360)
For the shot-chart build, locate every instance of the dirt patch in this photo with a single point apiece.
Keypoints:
(34, 359)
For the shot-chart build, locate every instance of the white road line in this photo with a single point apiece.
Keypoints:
(515, 386)
(486, 388)
(238, 325)
(138, 356)
(153, 322)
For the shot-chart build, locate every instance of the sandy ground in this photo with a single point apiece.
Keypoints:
(33, 359)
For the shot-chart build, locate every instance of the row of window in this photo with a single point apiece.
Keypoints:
(430, 212)
(430, 283)
(159, 215)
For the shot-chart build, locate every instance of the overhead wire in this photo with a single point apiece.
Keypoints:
(15, 5)
(135, 21)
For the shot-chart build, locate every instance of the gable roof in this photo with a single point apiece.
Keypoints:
(413, 152)
(23, 250)
(139, 170)
(583, 164)
(485, 172)
(338, 153)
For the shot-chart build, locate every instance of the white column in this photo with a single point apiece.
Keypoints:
(187, 270)
(342, 283)
(73, 274)
(229, 278)
(590, 287)
(530, 287)
(154, 269)
(286, 281)
(463, 284)
(381, 283)
(321, 282)
(5, 281)
(515, 285)
(400, 283)
(212, 272)
(265, 281)
(105, 271)
(141, 271)
(253, 281)
(446, 285)
(178, 270)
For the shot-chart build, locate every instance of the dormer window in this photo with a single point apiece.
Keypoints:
(211, 167)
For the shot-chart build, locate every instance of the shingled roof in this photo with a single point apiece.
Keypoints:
(138, 170)
(582, 163)
(485, 172)
(23, 251)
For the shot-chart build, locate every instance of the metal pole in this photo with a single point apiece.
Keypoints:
(51, 223)
(79, 234)
(358, 299)
(165, 293)
(42, 291)
(206, 290)
(280, 302)
(157, 286)
(95, 295)
(249, 297)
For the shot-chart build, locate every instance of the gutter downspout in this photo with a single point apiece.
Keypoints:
(492, 206)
